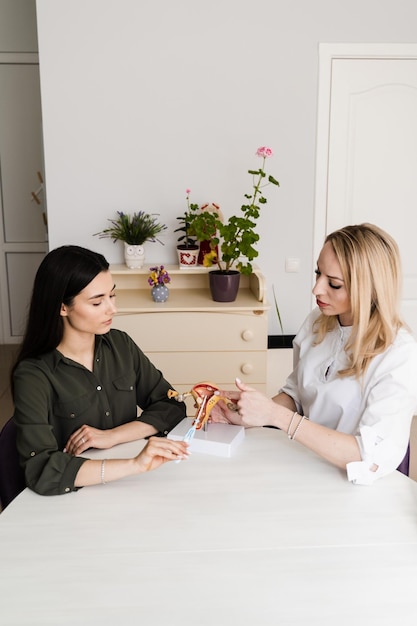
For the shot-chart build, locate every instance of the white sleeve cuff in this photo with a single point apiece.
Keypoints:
(375, 451)
(358, 473)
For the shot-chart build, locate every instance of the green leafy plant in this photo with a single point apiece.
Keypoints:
(187, 239)
(203, 224)
(133, 229)
(237, 237)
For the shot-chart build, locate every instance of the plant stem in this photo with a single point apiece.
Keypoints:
(257, 187)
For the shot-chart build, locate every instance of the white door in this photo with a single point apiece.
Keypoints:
(367, 148)
(23, 232)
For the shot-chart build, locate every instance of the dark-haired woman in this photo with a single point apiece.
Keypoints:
(77, 384)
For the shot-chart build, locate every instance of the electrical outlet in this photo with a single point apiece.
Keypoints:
(292, 265)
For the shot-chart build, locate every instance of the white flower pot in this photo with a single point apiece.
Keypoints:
(134, 256)
(187, 257)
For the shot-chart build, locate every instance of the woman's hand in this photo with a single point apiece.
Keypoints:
(247, 407)
(88, 437)
(225, 412)
(158, 451)
(255, 409)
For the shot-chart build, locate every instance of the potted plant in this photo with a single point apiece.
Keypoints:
(187, 247)
(158, 280)
(237, 237)
(134, 230)
(203, 227)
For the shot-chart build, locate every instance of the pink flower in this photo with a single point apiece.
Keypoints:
(188, 191)
(264, 152)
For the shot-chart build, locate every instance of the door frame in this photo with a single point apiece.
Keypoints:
(6, 337)
(328, 52)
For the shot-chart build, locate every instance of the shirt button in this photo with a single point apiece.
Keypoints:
(67, 489)
(72, 414)
(98, 388)
(32, 453)
(131, 387)
(107, 413)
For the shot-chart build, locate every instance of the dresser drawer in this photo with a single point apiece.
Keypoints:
(189, 368)
(195, 331)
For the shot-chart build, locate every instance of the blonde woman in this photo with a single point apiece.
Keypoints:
(353, 390)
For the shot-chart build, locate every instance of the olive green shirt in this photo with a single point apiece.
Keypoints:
(54, 396)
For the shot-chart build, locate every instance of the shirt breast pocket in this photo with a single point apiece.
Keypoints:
(125, 383)
(74, 409)
(124, 397)
(71, 414)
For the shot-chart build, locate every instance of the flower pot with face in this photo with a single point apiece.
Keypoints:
(134, 256)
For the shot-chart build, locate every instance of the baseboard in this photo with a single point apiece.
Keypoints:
(280, 341)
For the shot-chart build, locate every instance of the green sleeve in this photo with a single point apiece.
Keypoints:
(48, 470)
(152, 396)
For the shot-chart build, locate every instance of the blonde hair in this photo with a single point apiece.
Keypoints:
(371, 268)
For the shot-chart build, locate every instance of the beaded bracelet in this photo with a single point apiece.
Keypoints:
(103, 463)
(298, 426)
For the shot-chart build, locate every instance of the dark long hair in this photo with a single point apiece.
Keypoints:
(63, 273)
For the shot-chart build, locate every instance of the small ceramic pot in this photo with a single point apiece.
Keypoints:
(187, 257)
(134, 256)
(160, 293)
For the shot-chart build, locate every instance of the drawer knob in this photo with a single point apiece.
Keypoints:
(246, 368)
(247, 335)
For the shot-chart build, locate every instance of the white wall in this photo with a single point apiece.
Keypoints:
(144, 99)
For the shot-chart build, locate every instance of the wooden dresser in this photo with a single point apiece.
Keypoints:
(191, 338)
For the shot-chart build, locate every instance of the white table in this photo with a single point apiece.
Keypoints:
(273, 536)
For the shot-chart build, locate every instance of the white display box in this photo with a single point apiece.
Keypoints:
(218, 439)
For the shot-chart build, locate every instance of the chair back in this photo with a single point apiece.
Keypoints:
(12, 479)
(404, 466)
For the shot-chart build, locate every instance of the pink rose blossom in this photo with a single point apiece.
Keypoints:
(264, 152)
(188, 191)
